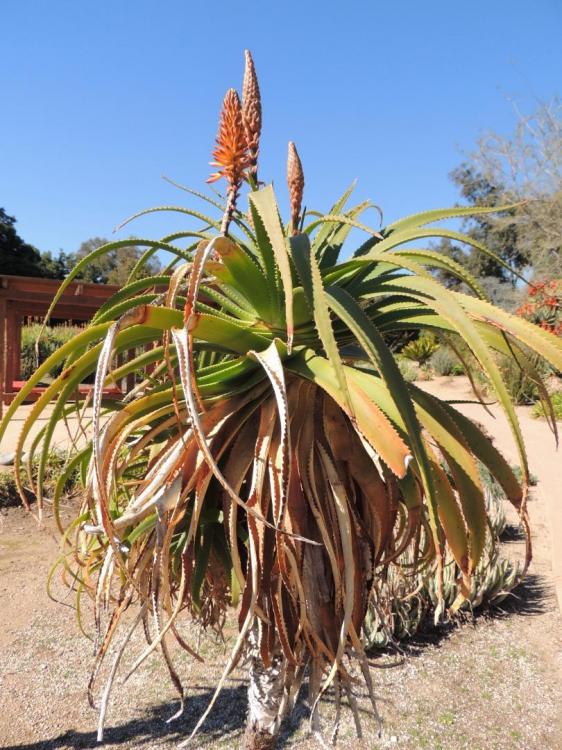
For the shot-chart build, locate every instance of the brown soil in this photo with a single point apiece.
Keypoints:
(492, 683)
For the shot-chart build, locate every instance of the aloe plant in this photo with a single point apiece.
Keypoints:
(271, 456)
(402, 601)
(420, 350)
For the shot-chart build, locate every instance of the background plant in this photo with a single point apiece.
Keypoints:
(408, 369)
(420, 349)
(523, 167)
(38, 344)
(403, 603)
(538, 409)
(9, 494)
(543, 305)
(57, 464)
(444, 361)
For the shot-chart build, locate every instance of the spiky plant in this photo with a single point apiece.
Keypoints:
(271, 456)
(402, 602)
(421, 349)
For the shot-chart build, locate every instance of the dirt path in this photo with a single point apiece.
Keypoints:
(493, 684)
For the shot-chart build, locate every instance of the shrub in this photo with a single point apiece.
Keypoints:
(445, 362)
(9, 495)
(523, 388)
(556, 398)
(410, 371)
(57, 464)
(543, 305)
(52, 339)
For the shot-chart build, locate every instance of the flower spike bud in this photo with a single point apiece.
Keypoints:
(231, 153)
(251, 113)
(295, 181)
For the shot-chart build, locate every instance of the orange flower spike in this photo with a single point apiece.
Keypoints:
(231, 153)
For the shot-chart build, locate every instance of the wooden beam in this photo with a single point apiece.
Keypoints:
(41, 298)
(50, 286)
(65, 312)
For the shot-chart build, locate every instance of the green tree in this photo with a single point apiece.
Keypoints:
(19, 258)
(525, 167)
(55, 267)
(528, 165)
(114, 266)
(500, 237)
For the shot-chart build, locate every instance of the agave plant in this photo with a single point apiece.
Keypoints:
(270, 456)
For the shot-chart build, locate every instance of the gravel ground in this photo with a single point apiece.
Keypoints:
(492, 683)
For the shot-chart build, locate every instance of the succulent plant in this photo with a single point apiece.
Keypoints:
(270, 455)
(404, 602)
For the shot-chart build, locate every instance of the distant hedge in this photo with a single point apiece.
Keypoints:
(50, 340)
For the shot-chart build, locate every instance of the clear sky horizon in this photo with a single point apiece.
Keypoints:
(101, 99)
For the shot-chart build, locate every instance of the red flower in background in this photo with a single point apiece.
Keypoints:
(543, 305)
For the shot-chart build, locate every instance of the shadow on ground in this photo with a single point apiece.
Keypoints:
(147, 730)
(226, 723)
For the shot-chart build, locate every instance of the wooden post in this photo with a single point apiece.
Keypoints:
(149, 346)
(2, 353)
(18, 322)
(9, 364)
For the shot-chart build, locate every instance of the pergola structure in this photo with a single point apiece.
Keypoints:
(25, 296)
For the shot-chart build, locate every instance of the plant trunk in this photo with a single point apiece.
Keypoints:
(265, 697)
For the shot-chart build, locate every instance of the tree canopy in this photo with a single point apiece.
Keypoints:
(524, 167)
(115, 266)
(19, 258)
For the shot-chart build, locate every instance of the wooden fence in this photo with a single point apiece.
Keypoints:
(25, 296)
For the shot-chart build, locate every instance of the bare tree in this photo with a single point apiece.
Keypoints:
(528, 166)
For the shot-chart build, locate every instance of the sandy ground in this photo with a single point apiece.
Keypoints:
(60, 440)
(492, 683)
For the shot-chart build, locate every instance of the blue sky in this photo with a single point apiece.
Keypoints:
(102, 98)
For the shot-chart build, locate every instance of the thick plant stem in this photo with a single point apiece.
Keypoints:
(232, 197)
(265, 694)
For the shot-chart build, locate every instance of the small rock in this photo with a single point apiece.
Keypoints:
(394, 739)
